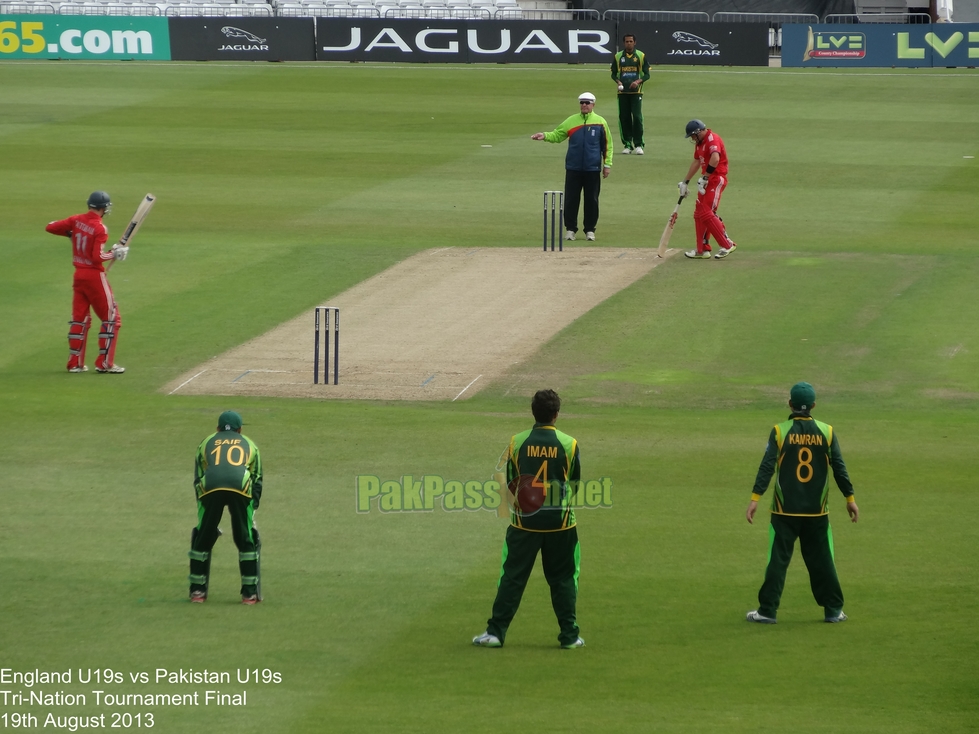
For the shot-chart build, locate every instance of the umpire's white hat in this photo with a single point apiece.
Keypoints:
(586, 97)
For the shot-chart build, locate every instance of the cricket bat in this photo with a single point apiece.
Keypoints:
(136, 222)
(664, 241)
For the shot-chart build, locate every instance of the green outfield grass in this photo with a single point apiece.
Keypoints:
(280, 185)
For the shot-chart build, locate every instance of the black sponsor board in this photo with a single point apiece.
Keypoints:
(461, 41)
(242, 39)
(728, 44)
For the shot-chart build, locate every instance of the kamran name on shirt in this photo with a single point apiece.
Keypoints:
(806, 439)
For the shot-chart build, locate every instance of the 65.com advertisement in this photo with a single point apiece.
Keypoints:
(82, 37)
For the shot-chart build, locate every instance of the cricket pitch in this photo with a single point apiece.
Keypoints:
(440, 325)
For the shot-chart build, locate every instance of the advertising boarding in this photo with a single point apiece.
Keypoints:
(712, 44)
(463, 41)
(83, 37)
(242, 39)
(880, 45)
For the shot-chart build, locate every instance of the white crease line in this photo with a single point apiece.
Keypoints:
(192, 378)
(466, 388)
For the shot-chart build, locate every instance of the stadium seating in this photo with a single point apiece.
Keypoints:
(40, 8)
(868, 11)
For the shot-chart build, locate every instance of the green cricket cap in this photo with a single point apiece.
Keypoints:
(802, 395)
(229, 421)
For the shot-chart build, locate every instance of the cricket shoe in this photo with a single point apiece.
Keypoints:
(569, 235)
(754, 616)
(572, 645)
(626, 151)
(725, 251)
(487, 640)
(83, 368)
(590, 236)
(250, 600)
(833, 619)
(694, 255)
(113, 370)
(198, 597)
(638, 151)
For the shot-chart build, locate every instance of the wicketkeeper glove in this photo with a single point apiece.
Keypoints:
(701, 184)
(684, 189)
(120, 252)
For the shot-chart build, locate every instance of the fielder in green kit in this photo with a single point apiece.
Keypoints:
(227, 473)
(800, 452)
(543, 471)
(630, 69)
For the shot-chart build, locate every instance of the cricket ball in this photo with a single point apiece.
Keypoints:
(528, 494)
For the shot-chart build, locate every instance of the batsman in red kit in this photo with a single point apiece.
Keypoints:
(88, 235)
(711, 158)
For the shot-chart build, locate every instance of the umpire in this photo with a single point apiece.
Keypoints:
(227, 472)
(543, 471)
(800, 453)
(588, 161)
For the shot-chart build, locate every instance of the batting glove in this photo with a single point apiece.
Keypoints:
(120, 252)
(684, 189)
(702, 184)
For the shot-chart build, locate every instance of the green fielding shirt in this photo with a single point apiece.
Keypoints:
(627, 69)
(800, 452)
(551, 458)
(227, 461)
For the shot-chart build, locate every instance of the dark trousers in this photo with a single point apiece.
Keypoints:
(560, 555)
(574, 182)
(816, 543)
(210, 508)
(630, 121)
